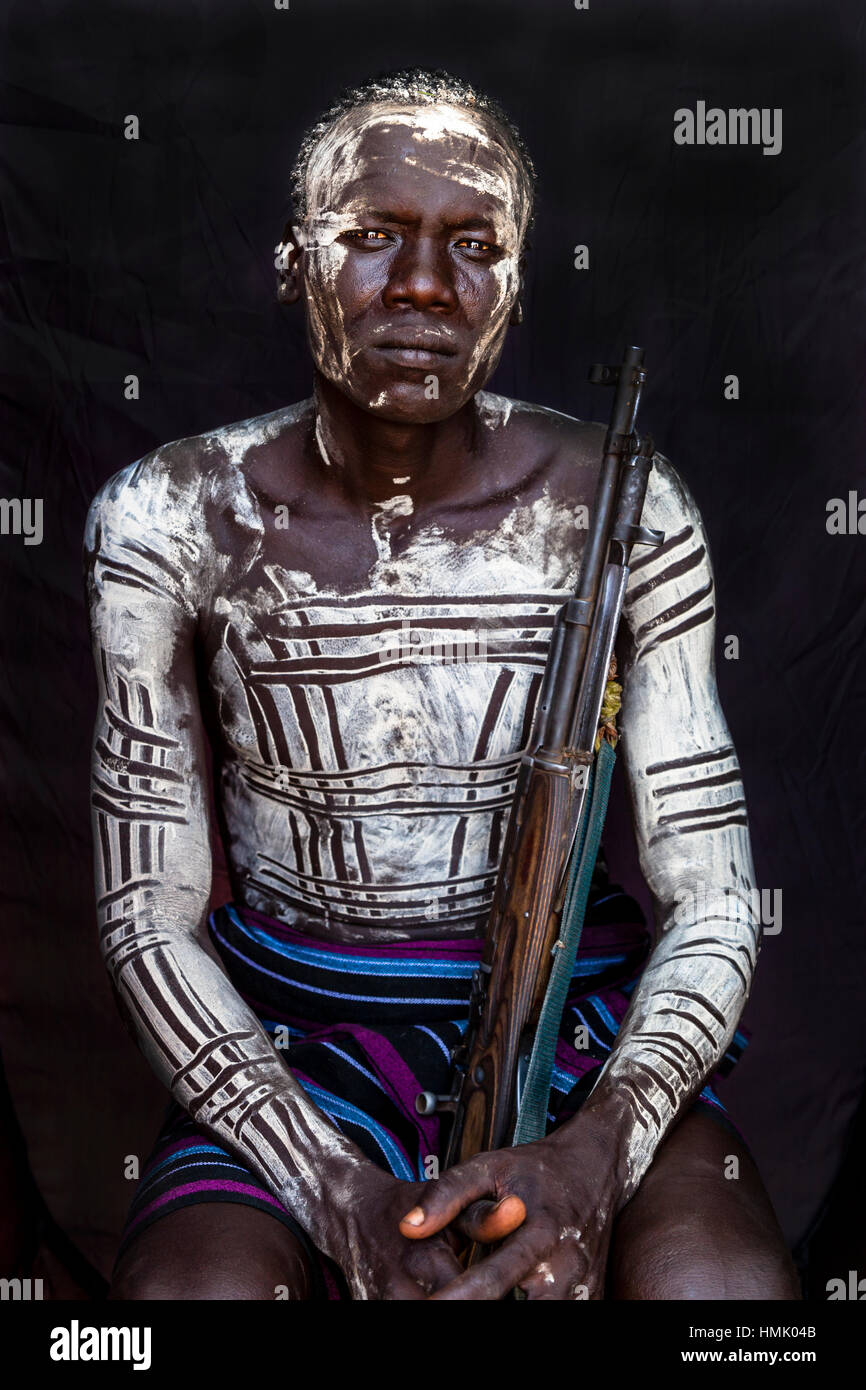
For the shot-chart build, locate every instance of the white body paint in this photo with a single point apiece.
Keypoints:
(691, 825)
(420, 757)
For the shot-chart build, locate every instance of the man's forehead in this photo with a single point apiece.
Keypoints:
(372, 143)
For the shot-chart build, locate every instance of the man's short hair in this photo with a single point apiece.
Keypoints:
(416, 87)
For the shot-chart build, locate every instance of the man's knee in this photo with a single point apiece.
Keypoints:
(692, 1232)
(199, 1284)
(188, 1256)
(672, 1261)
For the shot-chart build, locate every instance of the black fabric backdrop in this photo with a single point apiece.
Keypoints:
(155, 257)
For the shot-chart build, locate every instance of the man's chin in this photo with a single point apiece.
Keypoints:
(408, 403)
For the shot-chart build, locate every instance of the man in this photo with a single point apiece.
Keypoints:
(252, 581)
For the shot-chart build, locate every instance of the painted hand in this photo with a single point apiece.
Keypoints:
(367, 1241)
(550, 1203)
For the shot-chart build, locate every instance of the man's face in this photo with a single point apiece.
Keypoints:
(410, 266)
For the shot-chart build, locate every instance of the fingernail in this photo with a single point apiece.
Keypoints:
(415, 1217)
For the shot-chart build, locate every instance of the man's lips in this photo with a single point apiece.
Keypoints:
(415, 349)
(414, 357)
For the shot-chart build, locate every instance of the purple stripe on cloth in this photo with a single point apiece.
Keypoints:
(575, 1063)
(306, 1080)
(206, 1185)
(396, 1077)
(457, 948)
(612, 936)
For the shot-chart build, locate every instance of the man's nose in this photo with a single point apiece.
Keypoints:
(421, 276)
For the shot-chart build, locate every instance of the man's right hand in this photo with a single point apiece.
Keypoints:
(377, 1260)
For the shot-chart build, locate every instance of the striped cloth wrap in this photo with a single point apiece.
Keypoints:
(365, 1028)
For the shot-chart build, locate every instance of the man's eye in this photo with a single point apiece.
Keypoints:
(367, 234)
(476, 245)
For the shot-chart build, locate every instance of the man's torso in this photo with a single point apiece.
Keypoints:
(370, 670)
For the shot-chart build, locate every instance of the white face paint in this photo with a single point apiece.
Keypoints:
(467, 153)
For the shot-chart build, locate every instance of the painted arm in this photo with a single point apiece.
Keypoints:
(691, 825)
(151, 825)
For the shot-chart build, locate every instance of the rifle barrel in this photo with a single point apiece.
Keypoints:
(571, 634)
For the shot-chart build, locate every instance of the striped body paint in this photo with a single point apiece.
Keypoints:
(690, 813)
(365, 797)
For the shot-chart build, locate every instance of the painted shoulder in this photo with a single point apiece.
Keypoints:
(171, 502)
(176, 477)
(670, 505)
(669, 602)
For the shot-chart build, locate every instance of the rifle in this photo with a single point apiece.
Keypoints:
(548, 817)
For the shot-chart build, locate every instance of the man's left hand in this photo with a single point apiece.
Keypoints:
(550, 1203)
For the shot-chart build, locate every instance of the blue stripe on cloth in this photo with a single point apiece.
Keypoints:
(604, 1013)
(588, 965)
(193, 1149)
(563, 1080)
(340, 1052)
(339, 1109)
(576, 1010)
(328, 993)
(223, 1162)
(446, 1051)
(270, 1025)
(415, 967)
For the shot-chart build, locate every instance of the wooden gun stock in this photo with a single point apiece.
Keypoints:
(516, 961)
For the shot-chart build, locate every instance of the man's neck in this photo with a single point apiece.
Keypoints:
(377, 458)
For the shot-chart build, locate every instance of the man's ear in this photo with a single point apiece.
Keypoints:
(516, 315)
(286, 258)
